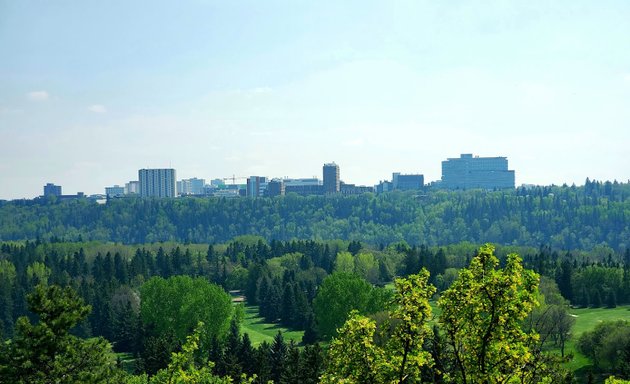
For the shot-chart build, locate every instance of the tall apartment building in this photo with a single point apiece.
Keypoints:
(332, 183)
(132, 188)
(468, 172)
(51, 189)
(157, 182)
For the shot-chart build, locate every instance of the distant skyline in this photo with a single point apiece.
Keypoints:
(90, 92)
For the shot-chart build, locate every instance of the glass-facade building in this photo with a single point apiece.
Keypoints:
(468, 172)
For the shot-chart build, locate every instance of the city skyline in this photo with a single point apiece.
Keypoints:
(90, 93)
(242, 181)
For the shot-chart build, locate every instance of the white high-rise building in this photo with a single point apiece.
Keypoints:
(192, 186)
(468, 172)
(157, 182)
(132, 188)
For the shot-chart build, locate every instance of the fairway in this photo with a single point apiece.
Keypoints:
(260, 331)
(586, 320)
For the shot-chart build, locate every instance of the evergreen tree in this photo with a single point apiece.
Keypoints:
(564, 274)
(288, 312)
(310, 329)
(246, 356)
(8, 278)
(312, 363)
(229, 364)
(263, 365)
(292, 374)
(277, 357)
(46, 352)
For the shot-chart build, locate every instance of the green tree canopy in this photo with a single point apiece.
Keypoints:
(481, 315)
(354, 357)
(178, 303)
(46, 353)
(339, 294)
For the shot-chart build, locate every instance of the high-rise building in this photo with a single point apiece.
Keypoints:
(332, 183)
(132, 188)
(192, 186)
(407, 182)
(157, 182)
(51, 189)
(468, 172)
(256, 186)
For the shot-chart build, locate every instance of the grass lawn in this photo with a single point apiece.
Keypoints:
(127, 361)
(586, 320)
(260, 331)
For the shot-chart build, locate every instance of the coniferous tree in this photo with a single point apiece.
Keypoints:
(229, 363)
(288, 309)
(291, 373)
(8, 278)
(277, 357)
(263, 365)
(310, 329)
(246, 356)
(312, 363)
(46, 352)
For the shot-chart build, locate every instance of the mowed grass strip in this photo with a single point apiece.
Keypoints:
(260, 331)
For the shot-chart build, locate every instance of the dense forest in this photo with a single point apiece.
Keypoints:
(391, 288)
(564, 217)
(148, 300)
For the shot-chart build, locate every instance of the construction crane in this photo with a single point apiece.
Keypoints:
(233, 178)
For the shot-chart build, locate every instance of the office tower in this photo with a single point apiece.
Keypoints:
(304, 186)
(51, 189)
(157, 182)
(468, 172)
(256, 186)
(331, 178)
(115, 191)
(407, 182)
(275, 188)
(192, 186)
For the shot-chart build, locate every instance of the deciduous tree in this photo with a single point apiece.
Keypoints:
(481, 316)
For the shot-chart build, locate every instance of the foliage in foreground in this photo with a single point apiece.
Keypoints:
(46, 353)
(481, 316)
(354, 357)
(183, 369)
(481, 338)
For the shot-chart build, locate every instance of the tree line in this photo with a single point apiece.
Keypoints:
(565, 217)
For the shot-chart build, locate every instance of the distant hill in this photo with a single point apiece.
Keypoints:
(563, 217)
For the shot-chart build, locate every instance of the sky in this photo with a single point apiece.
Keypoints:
(92, 91)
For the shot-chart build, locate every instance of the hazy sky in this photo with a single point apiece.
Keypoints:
(91, 91)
